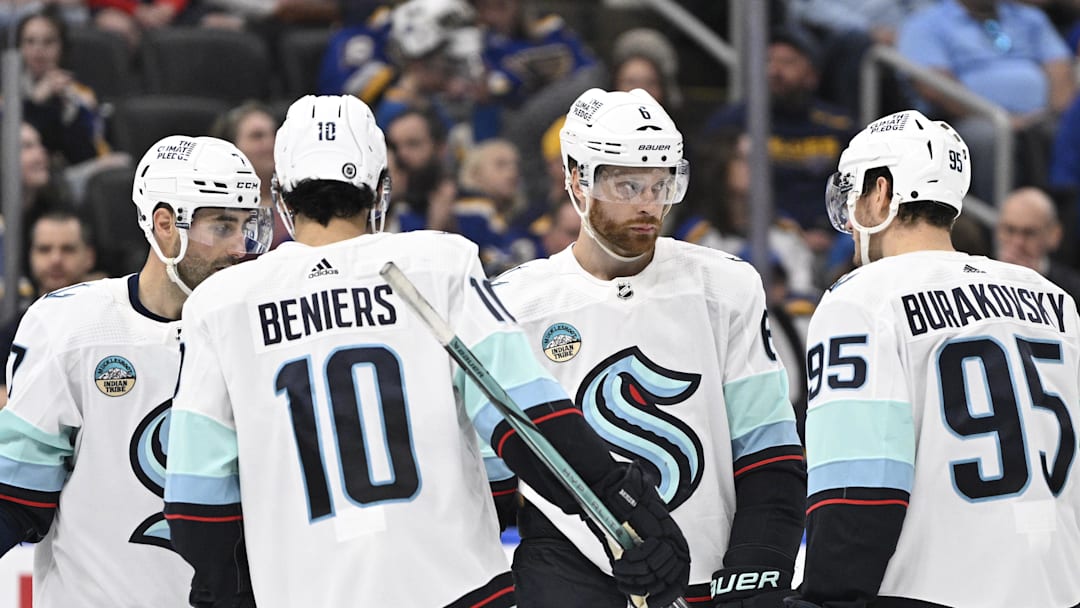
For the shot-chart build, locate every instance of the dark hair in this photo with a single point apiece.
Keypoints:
(50, 13)
(933, 213)
(61, 215)
(322, 199)
(435, 126)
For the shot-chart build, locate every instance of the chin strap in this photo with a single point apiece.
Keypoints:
(864, 232)
(584, 215)
(170, 263)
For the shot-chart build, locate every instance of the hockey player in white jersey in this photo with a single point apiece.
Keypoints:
(91, 376)
(943, 400)
(316, 420)
(666, 347)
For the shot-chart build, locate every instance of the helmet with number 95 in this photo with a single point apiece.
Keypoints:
(928, 161)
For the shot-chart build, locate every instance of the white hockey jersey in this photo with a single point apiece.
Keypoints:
(91, 378)
(955, 379)
(315, 397)
(672, 366)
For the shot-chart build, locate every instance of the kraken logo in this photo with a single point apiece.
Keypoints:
(622, 398)
(147, 454)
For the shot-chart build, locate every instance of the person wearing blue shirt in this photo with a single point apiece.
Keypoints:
(1003, 51)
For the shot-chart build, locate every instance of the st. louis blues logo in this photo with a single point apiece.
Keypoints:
(147, 454)
(622, 399)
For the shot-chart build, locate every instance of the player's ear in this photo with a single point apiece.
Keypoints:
(575, 184)
(164, 224)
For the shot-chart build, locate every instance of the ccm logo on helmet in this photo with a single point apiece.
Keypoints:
(653, 147)
(249, 185)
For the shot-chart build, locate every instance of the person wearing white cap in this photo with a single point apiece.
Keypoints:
(318, 453)
(941, 433)
(92, 374)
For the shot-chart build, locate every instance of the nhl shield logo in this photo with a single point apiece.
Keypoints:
(115, 376)
(561, 342)
(624, 289)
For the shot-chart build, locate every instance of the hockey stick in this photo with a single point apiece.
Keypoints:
(623, 535)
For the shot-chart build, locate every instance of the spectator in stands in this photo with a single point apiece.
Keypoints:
(61, 254)
(643, 58)
(1005, 52)
(490, 199)
(560, 229)
(717, 214)
(423, 191)
(252, 127)
(62, 110)
(807, 133)
(1064, 179)
(356, 60)
(1028, 232)
(130, 18)
(525, 54)
(420, 45)
(41, 190)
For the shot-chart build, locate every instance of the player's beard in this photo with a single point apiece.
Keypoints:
(620, 237)
(193, 270)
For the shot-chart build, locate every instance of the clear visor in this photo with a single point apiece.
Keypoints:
(838, 194)
(235, 231)
(641, 185)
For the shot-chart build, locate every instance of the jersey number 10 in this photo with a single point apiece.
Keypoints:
(294, 379)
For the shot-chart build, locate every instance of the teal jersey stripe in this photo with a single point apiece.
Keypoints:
(211, 449)
(765, 437)
(876, 473)
(37, 477)
(202, 490)
(543, 390)
(510, 361)
(23, 442)
(496, 469)
(854, 429)
(758, 401)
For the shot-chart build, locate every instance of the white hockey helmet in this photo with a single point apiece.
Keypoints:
(928, 160)
(331, 137)
(625, 129)
(419, 27)
(190, 173)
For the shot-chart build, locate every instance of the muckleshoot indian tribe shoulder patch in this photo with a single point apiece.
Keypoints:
(115, 376)
(561, 342)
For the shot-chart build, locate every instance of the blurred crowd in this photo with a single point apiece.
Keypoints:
(470, 95)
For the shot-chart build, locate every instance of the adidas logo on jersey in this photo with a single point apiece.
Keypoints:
(970, 268)
(321, 269)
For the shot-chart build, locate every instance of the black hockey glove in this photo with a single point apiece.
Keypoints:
(750, 587)
(659, 568)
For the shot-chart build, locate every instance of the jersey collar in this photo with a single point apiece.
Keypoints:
(136, 303)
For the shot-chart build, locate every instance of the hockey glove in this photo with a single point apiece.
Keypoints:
(659, 568)
(750, 587)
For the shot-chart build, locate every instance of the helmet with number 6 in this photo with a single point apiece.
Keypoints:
(626, 129)
(190, 173)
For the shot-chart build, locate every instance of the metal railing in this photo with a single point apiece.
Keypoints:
(692, 26)
(870, 104)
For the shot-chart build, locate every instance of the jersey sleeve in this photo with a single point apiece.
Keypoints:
(860, 446)
(484, 324)
(202, 483)
(768, 463)
(37, 429)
